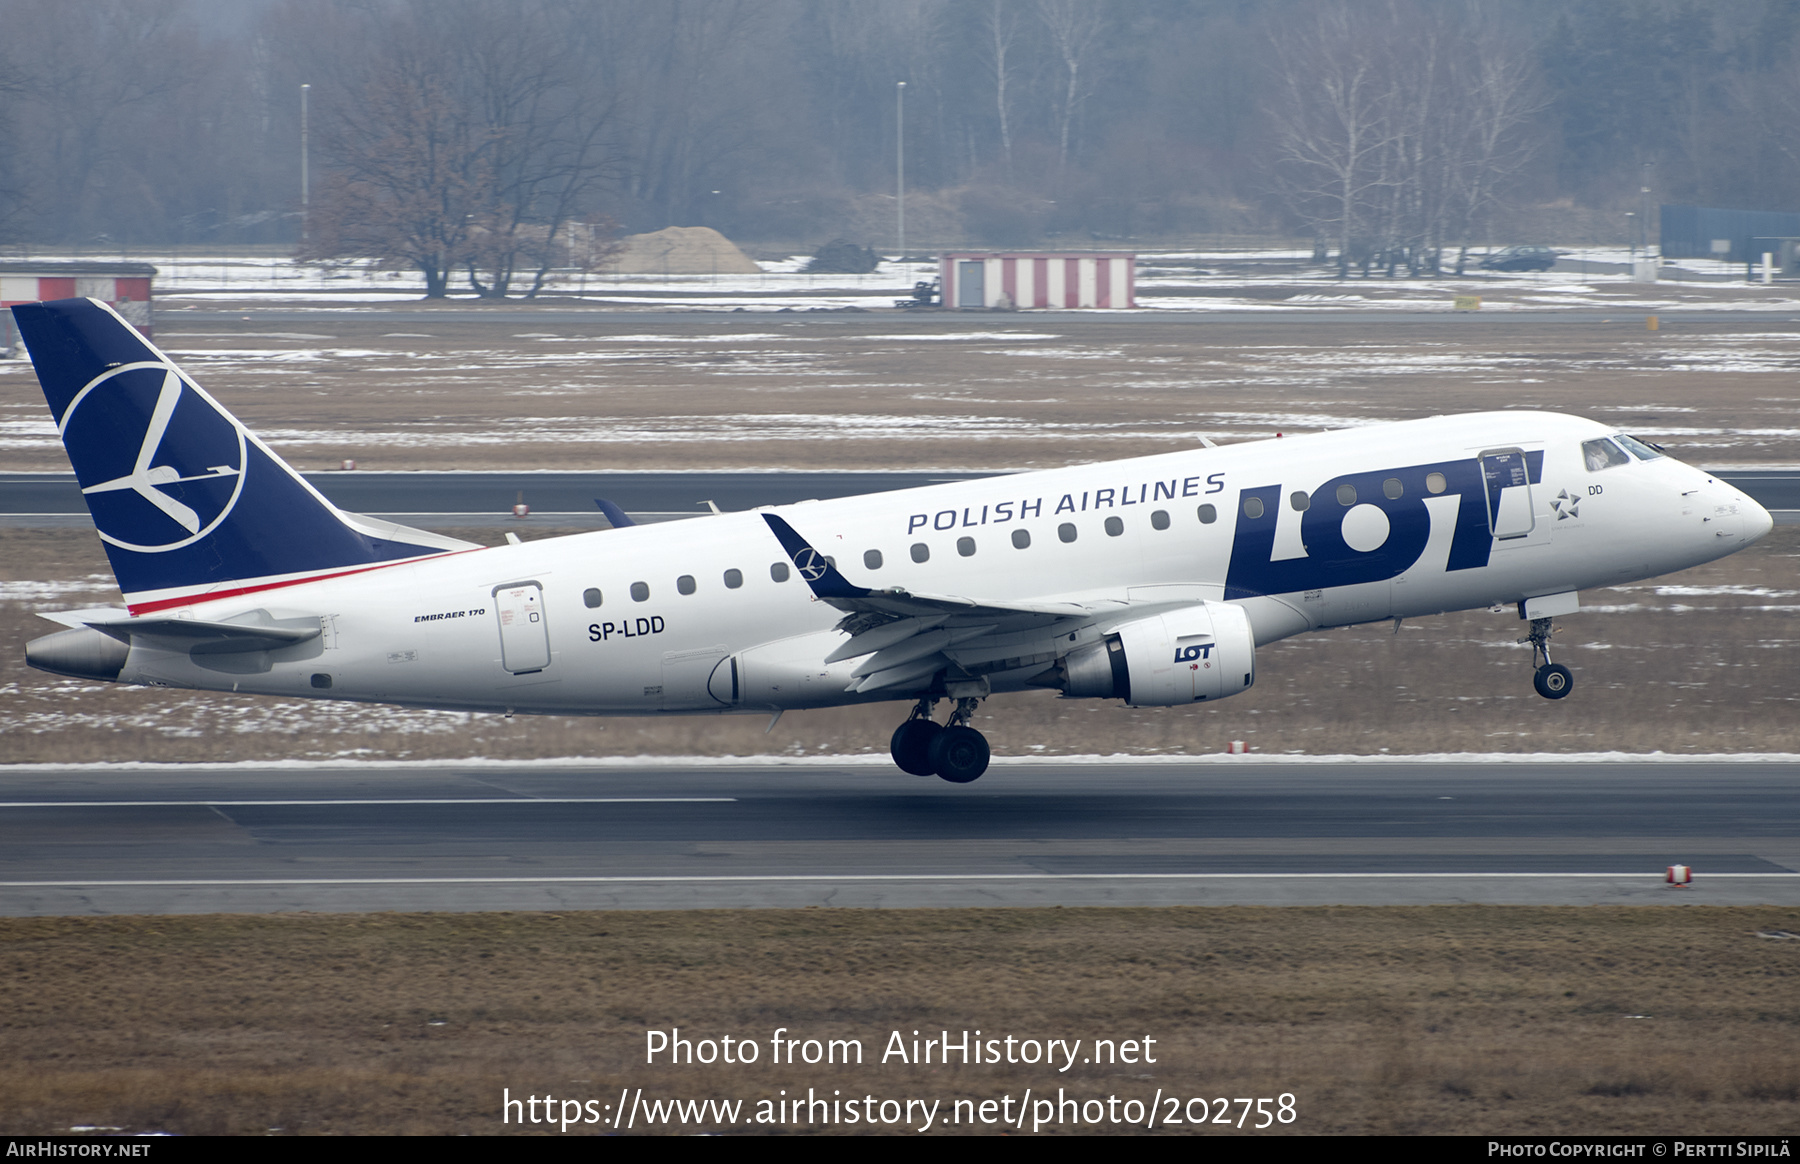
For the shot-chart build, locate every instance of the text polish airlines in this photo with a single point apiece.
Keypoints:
(1152, 580)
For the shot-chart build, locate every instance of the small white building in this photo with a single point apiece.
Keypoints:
(1027, 279)
(125, 286)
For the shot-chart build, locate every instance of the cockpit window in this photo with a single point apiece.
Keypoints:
(1602, 454)
(1643, 452)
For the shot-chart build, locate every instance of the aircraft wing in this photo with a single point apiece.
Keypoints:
(910, 636)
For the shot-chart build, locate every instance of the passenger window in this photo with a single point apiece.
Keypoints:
(1435, 483)
(1208, 515)
(1114, 527)
(1392, 489)
(1640, 449)
(965, 547)
(1602, 454)
(1066, 532)
(733, 579)
(685, 584)
(1159, 519)
(640, 591)
(1346, 494)
(1300, 501)
(872, 559)
(1253, 507)
(921, 552)
(591, 596)
(778, 571)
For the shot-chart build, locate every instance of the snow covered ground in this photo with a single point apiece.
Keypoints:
(1166, 281)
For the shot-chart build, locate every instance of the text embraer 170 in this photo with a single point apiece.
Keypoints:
(1151, 580)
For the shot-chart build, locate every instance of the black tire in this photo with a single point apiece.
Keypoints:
(911, 746)
(1553, 681)
(959, 754)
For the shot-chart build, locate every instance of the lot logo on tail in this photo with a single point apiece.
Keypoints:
(148, 493)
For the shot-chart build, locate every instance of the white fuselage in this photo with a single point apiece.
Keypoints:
(644, 620)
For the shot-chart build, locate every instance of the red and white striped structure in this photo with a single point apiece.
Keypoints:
(124, 286)
(975, 280)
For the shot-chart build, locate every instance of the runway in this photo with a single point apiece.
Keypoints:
(552, 837)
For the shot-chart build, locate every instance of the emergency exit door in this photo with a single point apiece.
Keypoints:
(524, 635)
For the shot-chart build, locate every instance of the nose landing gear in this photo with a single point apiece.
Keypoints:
(1552, 680)
(954, 750)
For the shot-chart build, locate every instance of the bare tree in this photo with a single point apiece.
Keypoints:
(1333, 124)
(1501, 98)
(549, 120)
(1398, 127)
(1074, 27)
(1000, 31)
(412, 181)
(479, 134)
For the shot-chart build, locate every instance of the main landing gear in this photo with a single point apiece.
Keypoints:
(1552, 680)
(953, 750)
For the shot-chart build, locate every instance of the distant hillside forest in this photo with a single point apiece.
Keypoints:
(503, 133)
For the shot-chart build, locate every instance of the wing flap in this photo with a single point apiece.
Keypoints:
(917, 646)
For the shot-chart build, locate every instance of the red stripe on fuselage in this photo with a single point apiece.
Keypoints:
(215, 595)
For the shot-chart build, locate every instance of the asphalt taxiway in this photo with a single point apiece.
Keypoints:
(656, 836)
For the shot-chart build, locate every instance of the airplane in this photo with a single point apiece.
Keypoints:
(1152, 580)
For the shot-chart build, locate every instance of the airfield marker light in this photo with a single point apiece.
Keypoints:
(1679, 876)
(1238, 748)
(1650, 324)
(520, 509)
(348, 465)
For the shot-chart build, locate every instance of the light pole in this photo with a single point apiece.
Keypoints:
(305, 183)
(900, 162)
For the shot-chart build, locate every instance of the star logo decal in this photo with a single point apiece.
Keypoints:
(1565, 506)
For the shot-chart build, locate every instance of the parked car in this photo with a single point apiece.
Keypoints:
(1520, 259)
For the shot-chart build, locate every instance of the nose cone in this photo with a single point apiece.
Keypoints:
(1736, 518)
(1757, 520)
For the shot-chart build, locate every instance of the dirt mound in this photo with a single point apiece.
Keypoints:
(682, 250)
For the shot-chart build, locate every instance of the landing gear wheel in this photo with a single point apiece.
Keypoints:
(959, 754)
(1553, 681)
(911, 746)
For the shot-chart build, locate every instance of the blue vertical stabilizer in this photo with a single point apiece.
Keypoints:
(185, 498)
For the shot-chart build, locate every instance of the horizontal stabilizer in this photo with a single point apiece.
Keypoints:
(218, 637)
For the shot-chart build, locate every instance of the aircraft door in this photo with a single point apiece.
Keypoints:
(524, 634)
(1507, 482)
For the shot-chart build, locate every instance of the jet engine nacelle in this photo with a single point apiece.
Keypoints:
(1198, 652)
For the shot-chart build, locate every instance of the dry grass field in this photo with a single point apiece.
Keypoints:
(873, 391)
(1703, 661)
(1466, 1020)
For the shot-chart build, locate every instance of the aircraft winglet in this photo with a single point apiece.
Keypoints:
(613, 513)
(815, 567)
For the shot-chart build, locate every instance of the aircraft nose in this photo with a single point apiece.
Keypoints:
(1757, 520)
(1736, 516)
